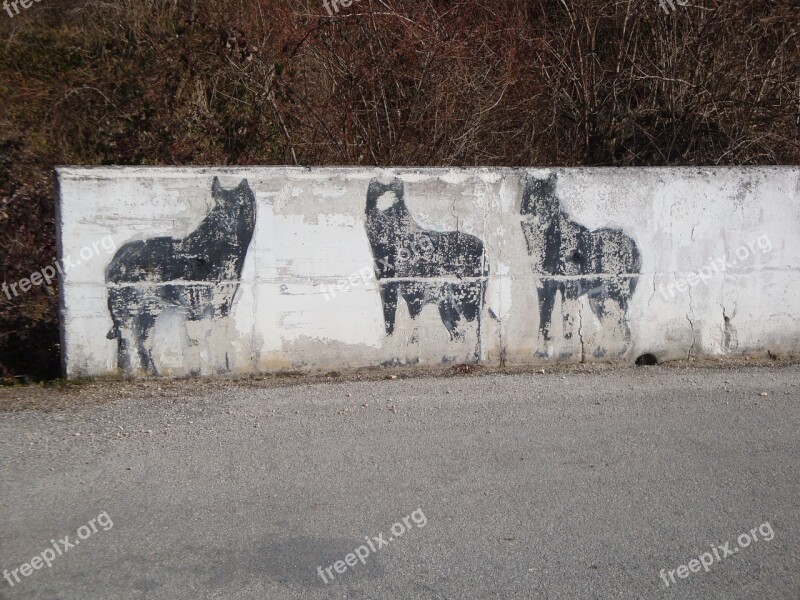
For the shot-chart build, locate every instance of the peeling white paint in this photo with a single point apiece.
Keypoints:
(310, 232)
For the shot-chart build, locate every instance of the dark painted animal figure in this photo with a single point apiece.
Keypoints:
(406, 255)
(574, 261)
(197, 275)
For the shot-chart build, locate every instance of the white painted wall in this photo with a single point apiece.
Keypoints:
(310, 232)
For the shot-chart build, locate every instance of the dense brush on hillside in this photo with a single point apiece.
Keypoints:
(381, 82)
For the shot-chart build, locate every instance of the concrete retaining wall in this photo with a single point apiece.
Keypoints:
(177, 271)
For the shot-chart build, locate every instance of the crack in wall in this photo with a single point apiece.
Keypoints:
(689, 355)
(455, 215)
(691, 324)
(730, 339)
(649, 302)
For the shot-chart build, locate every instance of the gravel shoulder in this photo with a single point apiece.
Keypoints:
(91, 393)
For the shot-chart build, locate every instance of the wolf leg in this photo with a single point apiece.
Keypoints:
(547, 301)
(124, 354)
(450, 314)
(389, 293)
(614, 300)
(119, 301)
(142, 328)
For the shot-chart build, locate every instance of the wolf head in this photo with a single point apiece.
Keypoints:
(236, 207)
(539, 198)
(382, 197)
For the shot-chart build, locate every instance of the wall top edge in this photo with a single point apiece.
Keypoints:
(71, 172)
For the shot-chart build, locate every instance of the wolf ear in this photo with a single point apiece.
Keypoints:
(374, 191)
(397, 187)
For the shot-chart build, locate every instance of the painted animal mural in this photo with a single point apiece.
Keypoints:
(573, 261)
(197, 275)
(406, 255)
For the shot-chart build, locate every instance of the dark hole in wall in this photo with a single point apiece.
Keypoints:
(646, 360)
(30, 353)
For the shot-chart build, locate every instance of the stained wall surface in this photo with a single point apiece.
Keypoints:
(202, 271)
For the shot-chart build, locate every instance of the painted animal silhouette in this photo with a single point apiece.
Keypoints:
(197, 276)
(570, 259)
(405, 255)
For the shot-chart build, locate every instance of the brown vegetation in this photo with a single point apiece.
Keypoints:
(384, 82)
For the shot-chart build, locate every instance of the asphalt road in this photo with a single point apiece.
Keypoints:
(557, 485)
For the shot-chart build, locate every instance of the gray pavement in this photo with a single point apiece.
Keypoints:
(558, 485)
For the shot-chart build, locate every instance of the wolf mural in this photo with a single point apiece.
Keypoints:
(197, 275)
(406, 255)
(571, 260)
